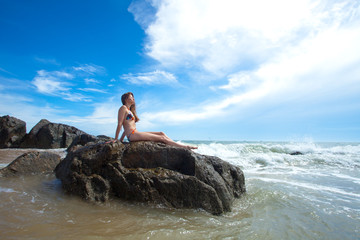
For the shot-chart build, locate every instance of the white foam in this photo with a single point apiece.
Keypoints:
(2, 165)
(311, 186)
(346, 177)
(7, 190)
(218, 149)
(269, 154)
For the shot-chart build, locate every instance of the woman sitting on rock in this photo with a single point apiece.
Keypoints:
(127, 118)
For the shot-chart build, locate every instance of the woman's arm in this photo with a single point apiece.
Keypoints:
(122, 137)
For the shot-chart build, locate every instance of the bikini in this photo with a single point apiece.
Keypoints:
(130, 117)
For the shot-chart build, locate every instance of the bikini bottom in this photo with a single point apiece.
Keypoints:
(132, 132)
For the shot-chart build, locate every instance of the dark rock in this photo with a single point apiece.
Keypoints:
(104, 138)
(81, 140)
(151, 172)
(47, 135)
(12, 130)
(87, 139)
(296, 153)
(31, 163)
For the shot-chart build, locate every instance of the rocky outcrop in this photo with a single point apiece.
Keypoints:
(12, 130)
(87, 139)
(151, 172)
(31, 163)
(47, 135)
(44, 135)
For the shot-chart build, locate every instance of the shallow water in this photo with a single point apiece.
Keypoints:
(310, 196)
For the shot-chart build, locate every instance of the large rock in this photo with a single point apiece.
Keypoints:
(12, 130)
(87, 139)
(151, 172)
(47, 135)
(31, 163)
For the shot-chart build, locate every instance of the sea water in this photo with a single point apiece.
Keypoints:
(294, 191)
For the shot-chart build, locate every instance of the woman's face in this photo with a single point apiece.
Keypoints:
(130, 99)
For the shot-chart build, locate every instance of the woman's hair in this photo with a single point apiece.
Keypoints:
(132, 107)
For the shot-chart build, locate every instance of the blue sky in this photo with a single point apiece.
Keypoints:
(199, 70)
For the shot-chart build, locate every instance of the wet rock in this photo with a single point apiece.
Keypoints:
(151, 172)
(296, 153)
(12, 130)
(47, 135)
(31, 163)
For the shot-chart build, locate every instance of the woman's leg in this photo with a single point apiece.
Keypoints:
(156, 137)
(169, 141)
(157, 133)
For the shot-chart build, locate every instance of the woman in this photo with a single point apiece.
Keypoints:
(127, 118)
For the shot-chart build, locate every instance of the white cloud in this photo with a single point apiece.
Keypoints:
(13, 84)
(103, 120)
(91, 81)
(90, 69)
(266, 50)
(92, 90)
(150, 78)
(241, 80)
(205, 111)
(76, 97)
(65, 83)
(297, 50)
(52, 83)
(314, 71)
(144, 11)
(5, 71)
(26, 109)
(51, 61)
(217, 35)
(14, 98)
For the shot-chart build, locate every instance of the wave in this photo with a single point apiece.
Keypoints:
(312, 186)
(265, 154)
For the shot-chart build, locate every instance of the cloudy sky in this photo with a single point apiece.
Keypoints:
(199, 69)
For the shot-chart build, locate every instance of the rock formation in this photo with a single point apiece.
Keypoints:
(87, 139)
(12, 130)
(151, 172)
(47, 135)
(31, 163)
(140, 171)
(44, 135)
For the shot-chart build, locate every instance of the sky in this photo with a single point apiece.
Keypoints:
(212, 70)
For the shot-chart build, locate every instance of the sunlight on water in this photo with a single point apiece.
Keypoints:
(312, 195)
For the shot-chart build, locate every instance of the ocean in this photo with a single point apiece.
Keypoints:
(294, 191)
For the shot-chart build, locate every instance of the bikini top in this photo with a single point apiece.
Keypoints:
(130, 115)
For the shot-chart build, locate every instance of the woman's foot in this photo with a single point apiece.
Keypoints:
(191, 147)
